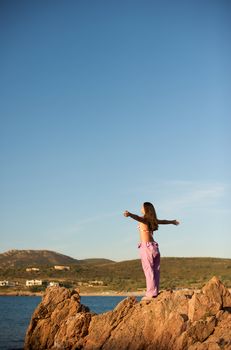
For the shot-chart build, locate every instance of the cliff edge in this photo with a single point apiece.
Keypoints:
(178, 320)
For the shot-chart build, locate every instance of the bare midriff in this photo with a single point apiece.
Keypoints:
(145, 234)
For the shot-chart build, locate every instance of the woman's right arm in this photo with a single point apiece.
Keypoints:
(135, 217)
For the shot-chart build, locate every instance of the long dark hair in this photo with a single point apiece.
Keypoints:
(150, 216)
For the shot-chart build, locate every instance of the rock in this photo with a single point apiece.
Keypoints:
(220, 338)
(174, 320)
(199, 331)
(215, 290)
(59, 321)
(213, 297)
(102, 326)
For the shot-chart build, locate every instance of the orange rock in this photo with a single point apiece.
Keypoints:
(174, 320)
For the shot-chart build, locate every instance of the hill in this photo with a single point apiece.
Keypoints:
(117, 276)
(96, 261)
(23, 258)
(33, 258)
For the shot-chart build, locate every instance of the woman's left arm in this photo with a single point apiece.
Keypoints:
(168, 222)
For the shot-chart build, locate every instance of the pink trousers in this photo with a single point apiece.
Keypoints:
(150, 259)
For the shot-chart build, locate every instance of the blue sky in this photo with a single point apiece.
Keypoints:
(105, 105)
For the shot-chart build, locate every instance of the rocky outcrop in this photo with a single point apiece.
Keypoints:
(174, 321)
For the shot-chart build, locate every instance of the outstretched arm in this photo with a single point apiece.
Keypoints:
(167, 222)
(135, 217)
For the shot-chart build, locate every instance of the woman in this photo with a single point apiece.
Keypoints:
(149, 251)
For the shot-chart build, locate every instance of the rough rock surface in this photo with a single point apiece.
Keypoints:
(174, 321)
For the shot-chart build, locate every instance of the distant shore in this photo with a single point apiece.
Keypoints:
(21, 294)
(40, 294)
(104, 294)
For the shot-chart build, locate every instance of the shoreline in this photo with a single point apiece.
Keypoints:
(102, 294)
(21, 294)
(92, 294)
(98, 294)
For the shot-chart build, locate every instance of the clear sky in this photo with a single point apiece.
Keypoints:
(105, 105)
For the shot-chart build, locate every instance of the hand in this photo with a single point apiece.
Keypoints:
(175, 222)
(126, 213)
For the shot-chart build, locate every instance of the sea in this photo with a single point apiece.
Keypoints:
(16, 312)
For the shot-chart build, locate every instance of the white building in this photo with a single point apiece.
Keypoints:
(4, 283)
(61, 268)
(30, 283)
(53, 284)
(29, 269)
(96, 283)
(7, 284)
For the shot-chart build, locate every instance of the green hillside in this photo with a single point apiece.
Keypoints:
(117, 276)
(24, 258)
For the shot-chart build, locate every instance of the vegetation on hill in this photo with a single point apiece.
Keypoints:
(117, 276)
(96, 261)
(33, 258)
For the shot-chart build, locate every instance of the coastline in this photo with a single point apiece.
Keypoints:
(102, 294)
(21, 294)
(90, 294)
